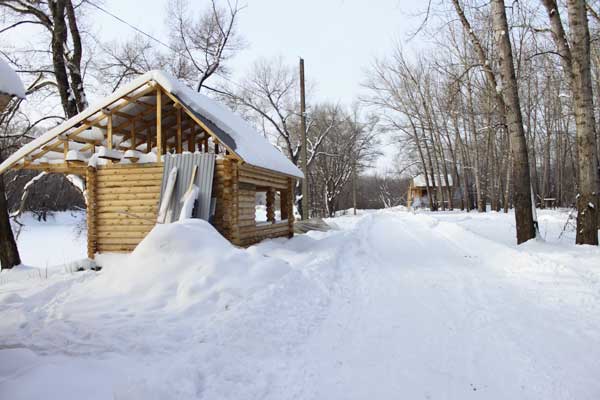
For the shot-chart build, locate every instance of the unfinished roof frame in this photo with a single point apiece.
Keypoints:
(170, 124)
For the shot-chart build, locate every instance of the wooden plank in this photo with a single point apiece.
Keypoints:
(139, 235)
(111, 202)
(104, 197)
(109, 132)
(130, 171)
(124, 228)
(91, 212)
(128, 166)
(130, 208)
(178, 134)
(266, 175)
(153, 184)
(115, 248)
(264, 181)
(150, 217)
(200, 123)
(148, 176)
(129, 189)
(118, 221)
(276, 185)
(159, 135)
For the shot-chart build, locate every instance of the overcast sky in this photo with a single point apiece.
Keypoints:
(337, 38)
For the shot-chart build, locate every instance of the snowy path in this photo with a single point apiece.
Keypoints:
(392, 305)
(422, 315)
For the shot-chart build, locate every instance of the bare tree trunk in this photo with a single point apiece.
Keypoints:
(422, 158)
(59, 38)
(587, 200)
(510, 94)
(9, 253)
(74, 61)
(476, 162)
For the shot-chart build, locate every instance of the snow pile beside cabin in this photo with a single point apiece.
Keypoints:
(184, 264)
(10, 83)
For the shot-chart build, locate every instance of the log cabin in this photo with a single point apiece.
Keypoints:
(418, 190)
(119, 146)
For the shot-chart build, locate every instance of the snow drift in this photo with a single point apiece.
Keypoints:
(187, 263)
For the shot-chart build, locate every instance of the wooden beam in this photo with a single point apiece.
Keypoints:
(132, 137)
(202, 124)
(109, 132)
(116, 108)
(159, 137)
(178, 145)
(148, 140)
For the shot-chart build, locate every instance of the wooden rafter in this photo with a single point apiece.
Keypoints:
(233, 154)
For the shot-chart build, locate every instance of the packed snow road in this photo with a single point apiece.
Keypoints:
(389, 305)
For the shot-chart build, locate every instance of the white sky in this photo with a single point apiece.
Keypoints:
(338, 39)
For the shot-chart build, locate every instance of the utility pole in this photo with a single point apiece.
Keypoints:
(305, 202)
(354, 186)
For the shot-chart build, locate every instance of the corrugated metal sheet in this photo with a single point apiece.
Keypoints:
(204, 179)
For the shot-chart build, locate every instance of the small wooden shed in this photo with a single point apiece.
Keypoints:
(118, 147)
(417, 191)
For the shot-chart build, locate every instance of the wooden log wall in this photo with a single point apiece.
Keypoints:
(251, 179)
(125, 205)
(225, 219)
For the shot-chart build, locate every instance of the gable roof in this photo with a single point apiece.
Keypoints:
(235, 133)
(419, 181)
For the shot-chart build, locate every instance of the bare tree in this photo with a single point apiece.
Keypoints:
(59, 21)
(208, 41)
(514, 119)
(575, 59)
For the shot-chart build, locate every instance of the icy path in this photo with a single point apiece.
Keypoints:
(392, 305)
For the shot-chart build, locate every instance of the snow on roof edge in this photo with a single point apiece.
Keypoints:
(250, 145)
(10, 83)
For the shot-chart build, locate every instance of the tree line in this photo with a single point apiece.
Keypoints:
(502, 102)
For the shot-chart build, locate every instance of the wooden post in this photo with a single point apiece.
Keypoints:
(271, 205)
(290, 206)
(91, 212)
(133, 138)
(159, 136)
(190, 139)
(65, 144)
(235, 202)
(148, 140)
(354, 186)
(109, 132)
(178, 145)
(303, 156)
(283, 202)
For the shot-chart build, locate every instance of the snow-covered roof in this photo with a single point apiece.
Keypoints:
(233, 131)
(10, 83)
(419, 181)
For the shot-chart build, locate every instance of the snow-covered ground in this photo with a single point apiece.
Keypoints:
(389, 305)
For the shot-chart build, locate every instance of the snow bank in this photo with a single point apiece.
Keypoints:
(186, 263)
(10, 83)
(392, 305)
